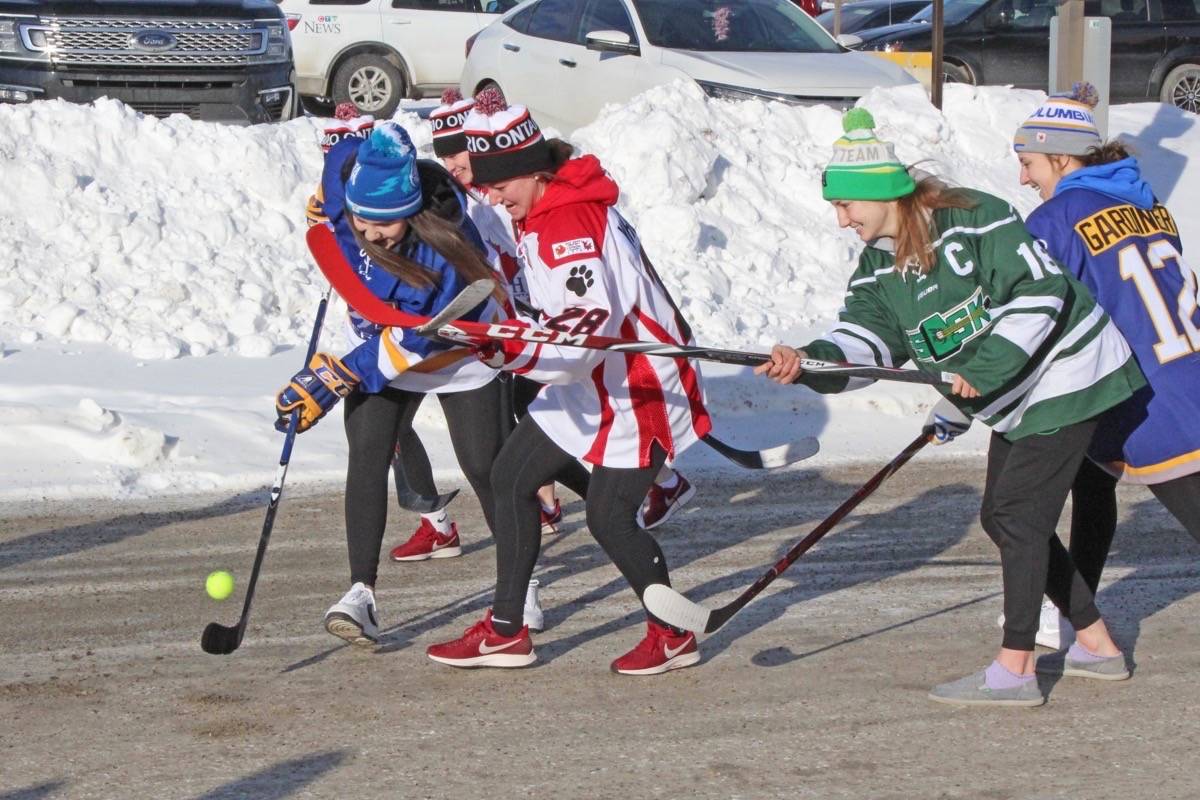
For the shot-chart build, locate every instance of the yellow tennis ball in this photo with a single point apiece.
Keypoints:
(219, 585)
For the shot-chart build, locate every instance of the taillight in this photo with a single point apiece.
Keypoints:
(470, 43)
(293, 20)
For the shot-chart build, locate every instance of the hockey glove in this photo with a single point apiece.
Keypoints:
(945, 422)
(313, 391)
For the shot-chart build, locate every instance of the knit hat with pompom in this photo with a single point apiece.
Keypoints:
(504, 141)
(1064, 124)
(864, 167)
(447, 121)
(348, 123)
(383, 185)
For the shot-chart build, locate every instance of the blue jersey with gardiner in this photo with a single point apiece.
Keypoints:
(1106, 226)
(384, 353)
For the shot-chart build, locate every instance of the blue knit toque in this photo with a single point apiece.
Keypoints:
(384, 185)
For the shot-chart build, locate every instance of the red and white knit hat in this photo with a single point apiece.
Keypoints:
(447, 121)
(347, 122)
(504, 141)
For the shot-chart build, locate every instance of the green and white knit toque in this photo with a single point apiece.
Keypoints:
(864, 167)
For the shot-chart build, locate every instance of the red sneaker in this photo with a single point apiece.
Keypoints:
(550, 522)
(659, 652)
(481, 646)
(661, 503)
(428, 543)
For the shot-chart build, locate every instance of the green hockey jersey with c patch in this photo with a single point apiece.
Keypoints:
(996, 309)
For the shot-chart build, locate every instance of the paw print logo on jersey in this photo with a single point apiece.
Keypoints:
(580, 280)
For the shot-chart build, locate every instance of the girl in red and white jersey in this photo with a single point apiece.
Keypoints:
(623, 413)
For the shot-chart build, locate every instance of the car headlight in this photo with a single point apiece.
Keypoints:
(890, 47)
(723, 91)
(278, 43)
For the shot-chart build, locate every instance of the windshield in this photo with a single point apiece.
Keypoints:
(746, 26)
(851, 15)
(954, 12)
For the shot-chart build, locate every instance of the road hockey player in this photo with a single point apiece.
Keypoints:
(401, 223)
(951, 280)
(410, 457)
(1100, 219)
(670, 490)
(625, 414)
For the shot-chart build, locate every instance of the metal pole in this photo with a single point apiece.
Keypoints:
(1070, 44)
(837, 18)
(935, 66)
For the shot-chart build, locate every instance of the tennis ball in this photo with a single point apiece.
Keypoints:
(219, 585)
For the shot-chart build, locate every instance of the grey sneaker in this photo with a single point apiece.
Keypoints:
(1075, 664)
(973, 691)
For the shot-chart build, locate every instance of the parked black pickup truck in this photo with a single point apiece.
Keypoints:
(224, 60)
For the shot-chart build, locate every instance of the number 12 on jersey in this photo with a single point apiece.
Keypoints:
(1138, 268)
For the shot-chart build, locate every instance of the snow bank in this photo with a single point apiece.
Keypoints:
(154, 278)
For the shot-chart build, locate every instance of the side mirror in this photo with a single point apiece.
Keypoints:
(612, 42)
(848, 40)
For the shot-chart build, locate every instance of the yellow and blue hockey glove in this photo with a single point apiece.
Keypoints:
(313, 391)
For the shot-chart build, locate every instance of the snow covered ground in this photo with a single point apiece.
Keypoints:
(155, 290)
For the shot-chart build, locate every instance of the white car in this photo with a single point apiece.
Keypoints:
(566, 58)
(374, 53)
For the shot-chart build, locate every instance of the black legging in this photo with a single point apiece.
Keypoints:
(1026, 488)
(574, 475)
(529, 460)
(1094, 516)
(477, 425)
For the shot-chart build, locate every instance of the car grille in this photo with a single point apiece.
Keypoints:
(166, 109)
(93, 41)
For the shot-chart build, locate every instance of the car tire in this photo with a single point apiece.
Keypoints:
(1181, 88)
(956, 73)
(372, 83)
(489, 84)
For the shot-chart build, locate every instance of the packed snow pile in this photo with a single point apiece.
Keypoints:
(155, 290)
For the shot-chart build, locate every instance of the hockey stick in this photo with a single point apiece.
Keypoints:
(674, 609)
(770, 458)
(220, 639)
(333, 264)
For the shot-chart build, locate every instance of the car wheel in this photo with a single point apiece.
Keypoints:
(373, 84)
(1181, 88)
(956, 73)
(491, 85)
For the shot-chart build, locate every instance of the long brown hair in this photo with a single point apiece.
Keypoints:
(443, 236)
(915, 221)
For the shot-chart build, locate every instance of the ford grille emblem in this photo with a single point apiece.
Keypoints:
(152, 40)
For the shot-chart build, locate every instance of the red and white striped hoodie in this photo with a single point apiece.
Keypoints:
(586, 274)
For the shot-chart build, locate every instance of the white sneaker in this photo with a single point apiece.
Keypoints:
(354, 617)
(534, 617)
(1054, 631)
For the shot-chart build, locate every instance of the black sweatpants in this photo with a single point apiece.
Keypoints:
(1026, 489)
(529, 460)
(1094, 516)
(477, 425)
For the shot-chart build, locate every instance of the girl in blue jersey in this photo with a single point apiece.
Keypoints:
(1101, 220)
(401, 223)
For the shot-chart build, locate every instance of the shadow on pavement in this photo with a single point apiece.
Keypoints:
(283, 779)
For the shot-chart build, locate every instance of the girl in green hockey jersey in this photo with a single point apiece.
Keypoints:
(951, 280)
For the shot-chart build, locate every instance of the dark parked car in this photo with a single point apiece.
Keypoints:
(1155, 45)
(226, 60)
(872, 14)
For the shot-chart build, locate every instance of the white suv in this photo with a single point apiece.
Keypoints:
(373, 53)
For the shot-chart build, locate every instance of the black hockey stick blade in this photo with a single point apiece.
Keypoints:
(771, 457)
(409, 500)
(221, 640)
(674, 609)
